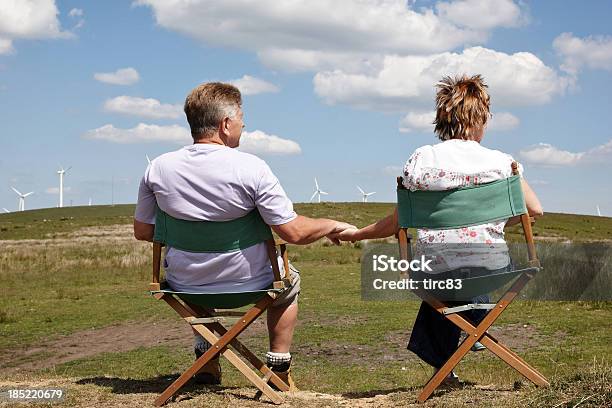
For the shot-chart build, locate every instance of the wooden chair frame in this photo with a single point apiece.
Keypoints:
(207, 323)
(479, 332)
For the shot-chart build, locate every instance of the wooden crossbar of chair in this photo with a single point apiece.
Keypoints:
(206, 323)
(479, 332)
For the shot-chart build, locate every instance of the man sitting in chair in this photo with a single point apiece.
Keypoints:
(212, 181)
(462, 113)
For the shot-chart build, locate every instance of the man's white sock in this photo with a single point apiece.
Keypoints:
(278, 359)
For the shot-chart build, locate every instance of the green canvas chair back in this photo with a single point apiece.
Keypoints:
(213, 236)
(462, 207)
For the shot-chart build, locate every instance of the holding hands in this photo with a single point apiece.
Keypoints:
(343, 232)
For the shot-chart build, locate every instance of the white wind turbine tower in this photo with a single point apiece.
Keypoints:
(364, 195)
(598, 212)
(22, 197)
(318, 191)
(61, 173)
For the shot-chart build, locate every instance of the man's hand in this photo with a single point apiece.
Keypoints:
(340, 228)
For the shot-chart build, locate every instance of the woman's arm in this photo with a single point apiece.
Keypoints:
(534, 207)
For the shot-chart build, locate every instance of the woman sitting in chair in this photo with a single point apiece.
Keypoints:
(462, 113)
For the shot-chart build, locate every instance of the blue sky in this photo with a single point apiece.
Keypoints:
(338, 90)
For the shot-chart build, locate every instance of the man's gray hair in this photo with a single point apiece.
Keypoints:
(207, 105)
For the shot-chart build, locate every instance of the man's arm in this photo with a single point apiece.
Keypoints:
(143, 231)
(303, 230)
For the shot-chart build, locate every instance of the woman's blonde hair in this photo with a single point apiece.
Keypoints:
(462, 106)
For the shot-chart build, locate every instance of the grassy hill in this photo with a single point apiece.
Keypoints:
(75, 314)
(52, 222)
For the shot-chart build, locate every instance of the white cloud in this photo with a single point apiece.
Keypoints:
(249, 85)
(141, 133)
(481, 15)
(28, 19)
(55, 190)
(420, 121)
(423, 121)
(75, 12)
(316, 30)
(258, 142)
(6, 46)
(408, 82)
(546, 155)
(502, 121)
(148, 108)
(592, 52)
(122, 76)
(313, 60)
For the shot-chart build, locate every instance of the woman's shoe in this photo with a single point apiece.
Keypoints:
(478, 346)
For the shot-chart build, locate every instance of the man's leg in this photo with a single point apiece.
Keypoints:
(282, 318)
(281, 323)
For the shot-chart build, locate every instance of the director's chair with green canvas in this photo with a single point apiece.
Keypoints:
(458, 208)
(201, 310)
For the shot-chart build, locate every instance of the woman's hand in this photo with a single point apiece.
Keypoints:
(349, 234)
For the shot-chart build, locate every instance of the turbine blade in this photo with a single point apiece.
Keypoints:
(360, 190)
(148, 160)
(369, 194)
(27, 194)
(316, 183)
(313, 196)
(65, 171)
(15, 190)
(323, 192)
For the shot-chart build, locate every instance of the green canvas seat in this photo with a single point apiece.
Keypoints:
(463, 207)
(221, 300)
(201, 310)
(479, 285)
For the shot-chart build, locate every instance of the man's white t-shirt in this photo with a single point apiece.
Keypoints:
(459, 163)
(206, 182)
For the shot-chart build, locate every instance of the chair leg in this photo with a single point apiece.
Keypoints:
(478, 333)
(514, 361)
(218, 346)
(245, 352)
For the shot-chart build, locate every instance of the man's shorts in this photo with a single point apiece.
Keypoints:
(289, 296)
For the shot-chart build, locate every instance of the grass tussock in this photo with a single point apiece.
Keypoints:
(589, 387)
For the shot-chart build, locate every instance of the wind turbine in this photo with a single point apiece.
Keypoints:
(61, 173)
(89, 202)
(364, 195)
(5, 210)
(22, 197)
(318, 191)
(148, 160)
(598, 212)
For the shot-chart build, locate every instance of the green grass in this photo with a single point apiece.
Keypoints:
(52, 222)
(71, 280)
